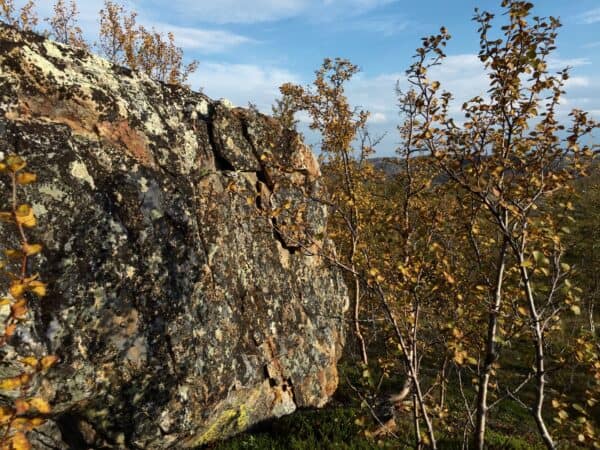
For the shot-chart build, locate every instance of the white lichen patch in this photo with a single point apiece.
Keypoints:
(154, 124)
(226, 103)
(156, 214)
(53, 50)
(130, 271)
(202, 107)
(188, 152)
(183, 391)
(52, 191)
(43, 64)
(79, 171)
(143, 185)
(39, 209)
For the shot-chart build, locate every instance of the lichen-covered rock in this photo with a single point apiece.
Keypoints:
(183, 301)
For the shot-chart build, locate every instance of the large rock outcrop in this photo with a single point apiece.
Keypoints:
(182, 302)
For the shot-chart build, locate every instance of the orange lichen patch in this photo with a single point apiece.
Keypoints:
(82, 117)
(121, 134)
(304, 159)
(78, 114)
(329, 378)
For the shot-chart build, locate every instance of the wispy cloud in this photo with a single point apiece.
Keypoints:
(203, 40)
(247, 12)
(200, 39)
(381, 25)
(591, 16)
(557, 63)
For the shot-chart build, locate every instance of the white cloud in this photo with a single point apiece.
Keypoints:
(577, 82)
(378, 117)
(242, 83)
(591, 16)
(199, 39)
(203, 40)
(384, 25)
(555, 63)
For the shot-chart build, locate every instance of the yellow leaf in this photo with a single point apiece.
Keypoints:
(457, 333)
(38, 288)
(26, 178)
(32, 249)
(6, 217)
(9, 384)
(20, 442)
(24, 216)
(13, 254)
(522, 310)
(10, 329)
(5, 301)
(21, 406)
(449, 278)
(459, 357)
(49, 361)
(19, 309)
(23, 424)
(5, 414)
(17, 289)
(576, 309)
(563, 414)
(37, 421)
(31, 361)
(2, 167)
(40, 404)
(15, 163)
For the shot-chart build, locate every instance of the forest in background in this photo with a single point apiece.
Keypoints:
(471, 258)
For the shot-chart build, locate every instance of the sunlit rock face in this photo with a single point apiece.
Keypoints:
(182, 309)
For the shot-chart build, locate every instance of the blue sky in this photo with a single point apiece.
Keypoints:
(246, 49)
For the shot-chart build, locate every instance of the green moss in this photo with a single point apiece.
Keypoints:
(331, 428)
(230, 421)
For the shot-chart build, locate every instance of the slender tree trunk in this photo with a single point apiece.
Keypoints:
(540, 374)
(412, 370)
(416, 426)
(357, 330)
(443, 383)
(490, 352)
(356, 309)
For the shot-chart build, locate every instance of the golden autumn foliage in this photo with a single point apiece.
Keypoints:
(23, 410)
(124, 42)
(24, 18)
(64, 26)
(459, 256)
(121, 40)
